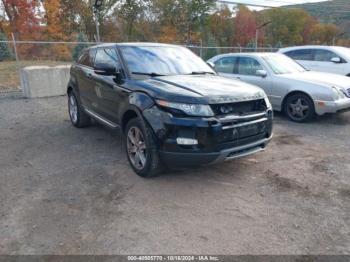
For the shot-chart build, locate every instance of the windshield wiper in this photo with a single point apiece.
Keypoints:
(147, 74)
(201, 73)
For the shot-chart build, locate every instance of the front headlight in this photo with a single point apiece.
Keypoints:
(337, 94)
(189, 109)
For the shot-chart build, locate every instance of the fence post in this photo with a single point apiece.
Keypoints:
(17, 59)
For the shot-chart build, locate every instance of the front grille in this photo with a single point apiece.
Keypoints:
(239, 108)
(242, 132)
(348, 95)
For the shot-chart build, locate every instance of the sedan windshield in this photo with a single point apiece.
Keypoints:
(163, 60)
(281, 64)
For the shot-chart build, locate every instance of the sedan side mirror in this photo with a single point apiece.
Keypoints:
(336, 60)
(105, 69)
(261, 73)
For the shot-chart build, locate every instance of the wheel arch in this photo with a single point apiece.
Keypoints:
(129, 114)
(138, 102)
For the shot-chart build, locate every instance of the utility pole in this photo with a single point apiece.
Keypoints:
(96, 9)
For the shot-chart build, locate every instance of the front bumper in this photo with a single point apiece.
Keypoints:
(194, 159)
(219, 138)
(324, 107)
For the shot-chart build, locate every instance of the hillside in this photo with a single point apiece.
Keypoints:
(335, 11)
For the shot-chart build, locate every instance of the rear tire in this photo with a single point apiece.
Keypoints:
(77, 115)
(141, 149)
(299, 108)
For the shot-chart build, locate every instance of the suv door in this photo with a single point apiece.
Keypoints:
(109, 92)
(84, 71)
(305, 57)
(323, 62)
(247, 68)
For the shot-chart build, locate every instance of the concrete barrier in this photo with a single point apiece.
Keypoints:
(44, 81)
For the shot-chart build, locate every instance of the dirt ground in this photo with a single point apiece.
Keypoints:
(71, 191)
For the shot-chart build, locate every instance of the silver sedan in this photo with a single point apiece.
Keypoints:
(299, 93)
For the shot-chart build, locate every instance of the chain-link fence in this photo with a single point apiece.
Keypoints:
(21, 54)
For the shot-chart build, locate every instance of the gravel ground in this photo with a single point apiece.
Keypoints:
(71, 191)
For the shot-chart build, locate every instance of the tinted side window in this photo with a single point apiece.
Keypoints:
(87, 58)
(226, 65)
(302, 54)
(84, 57)
(248, 66)
(324, 55)
(107, 56)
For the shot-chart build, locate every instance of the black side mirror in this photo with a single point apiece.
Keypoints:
(105, 69)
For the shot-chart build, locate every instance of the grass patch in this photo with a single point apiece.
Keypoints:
(9, 76)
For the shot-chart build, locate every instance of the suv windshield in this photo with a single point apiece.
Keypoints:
(281, 64)
(163, 60)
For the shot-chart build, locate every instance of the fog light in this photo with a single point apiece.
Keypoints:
(186, 141)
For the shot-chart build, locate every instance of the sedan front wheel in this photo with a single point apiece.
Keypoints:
(299, 108)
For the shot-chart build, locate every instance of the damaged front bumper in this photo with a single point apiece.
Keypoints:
(216, 138)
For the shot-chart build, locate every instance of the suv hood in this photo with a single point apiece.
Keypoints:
(202, 89)
(324, 79)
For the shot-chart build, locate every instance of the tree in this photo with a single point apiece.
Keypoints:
(130, 11)
(324, 33)
(79, 47)
(187, 17)
(221, 26)
(22, 18)
(245, 23)
(5, 51)
(287, 26)
(54, 29)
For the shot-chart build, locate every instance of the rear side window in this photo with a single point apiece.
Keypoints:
(248, 66)
(301, 54)
(87, 58)
(324, 55)
(226, 65)
(107, 56)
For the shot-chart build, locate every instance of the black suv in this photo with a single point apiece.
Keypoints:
(173, 109)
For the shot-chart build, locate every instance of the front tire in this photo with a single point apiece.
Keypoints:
(77, 115)
(141, 149)
(299, 108)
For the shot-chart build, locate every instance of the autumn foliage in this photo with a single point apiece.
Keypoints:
(192, 22)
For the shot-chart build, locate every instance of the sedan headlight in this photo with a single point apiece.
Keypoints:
(189, 109)
(337, 94)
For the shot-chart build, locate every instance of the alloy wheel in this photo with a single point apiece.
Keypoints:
(136, 147)
(299, 108)
(73, 108)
